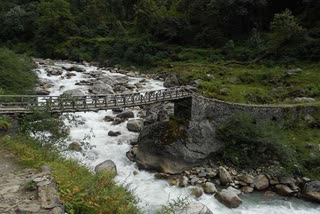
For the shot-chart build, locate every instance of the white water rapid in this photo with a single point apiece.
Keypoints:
(152, 192)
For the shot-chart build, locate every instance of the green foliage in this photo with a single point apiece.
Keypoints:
(285, 28)
(16, 75)
(80, 190)
(174, 206)
(4, 124)
(250, 143)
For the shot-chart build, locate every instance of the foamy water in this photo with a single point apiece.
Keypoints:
(151, 192)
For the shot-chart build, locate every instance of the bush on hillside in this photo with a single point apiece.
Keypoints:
(16, 75)
(250, 143)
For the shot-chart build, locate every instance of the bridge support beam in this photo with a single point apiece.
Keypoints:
(183, 108)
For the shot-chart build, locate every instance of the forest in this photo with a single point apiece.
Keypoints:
(146, 32)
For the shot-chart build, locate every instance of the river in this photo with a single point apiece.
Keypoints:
(151, 192)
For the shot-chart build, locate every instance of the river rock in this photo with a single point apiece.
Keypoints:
(224, 175)
(101, 88)
(135, 125)
(76, 68)
(106, 166)
(126, 115)
(197, 191)
(114, 134)
(249, 179)
(28, 208)
(53, 71)
(183, 181)
(228, 198)
(108, 118)
(171, 81)
(283, 190)
(209, 188)
(74, 92)
(193, 208)
(75, 146)
(312, 191)
(41, 91)
(247, 189)
(261, 182)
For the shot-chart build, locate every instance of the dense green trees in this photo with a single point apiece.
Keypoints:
(256, 24)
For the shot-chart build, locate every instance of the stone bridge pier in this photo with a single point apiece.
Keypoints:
(183, 108)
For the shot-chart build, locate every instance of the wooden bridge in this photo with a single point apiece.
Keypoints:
(24, 104)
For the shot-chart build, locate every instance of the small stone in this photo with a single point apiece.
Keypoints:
(228, 198)
(197, 191)
(183, 182)
(202, 174)
(247, 189)
(209, 188)
(75, 146)
(108, 118)
(246, 178)
(114, 134)
(306, 180)
(194, 180)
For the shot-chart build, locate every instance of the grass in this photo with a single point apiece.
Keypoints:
(260, 84)
(80, 190)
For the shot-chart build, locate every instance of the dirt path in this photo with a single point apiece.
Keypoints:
(17, 193)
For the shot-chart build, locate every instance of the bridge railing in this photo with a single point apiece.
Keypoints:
(62, 103)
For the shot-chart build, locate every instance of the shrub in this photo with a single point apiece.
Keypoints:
(250, 143)
(16, 75)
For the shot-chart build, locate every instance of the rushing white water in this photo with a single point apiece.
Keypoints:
(152, 192)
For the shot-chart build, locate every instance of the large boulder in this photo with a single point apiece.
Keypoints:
(312, 191)
(172, 147)
(171, 81)
(229, 198)
(193, 208)
(106, 166)
(209, 188)
(75, 146)
(74, 92)
(284, 190)
(101, 88)
(135, 125)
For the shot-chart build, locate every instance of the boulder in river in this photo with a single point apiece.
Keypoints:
(126, 115)
(229, 198)
(312, 191)
(172, 148)
(209, 188)
(135, 125)
(106, 166)
(101, 88)
(75, 146)
(74, 92)
(193, 208)
(114, 134)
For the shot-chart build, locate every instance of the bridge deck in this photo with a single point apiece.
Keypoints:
(12, 104)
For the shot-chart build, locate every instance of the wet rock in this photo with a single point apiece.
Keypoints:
(224, 175)
(108, 118)
(209, 188)
(197, 191)
(101, 88)
(75, 146)
(261, 182)
(74, 92)
(247, 189)
(312, 191)
(77, 69)
(126, 115)
(193, 208)
(53, 71)
(117, 121)
(183, 181)
(135, 125)
(114, 134)
(229, 198)
(106, 166)
(283, 190)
